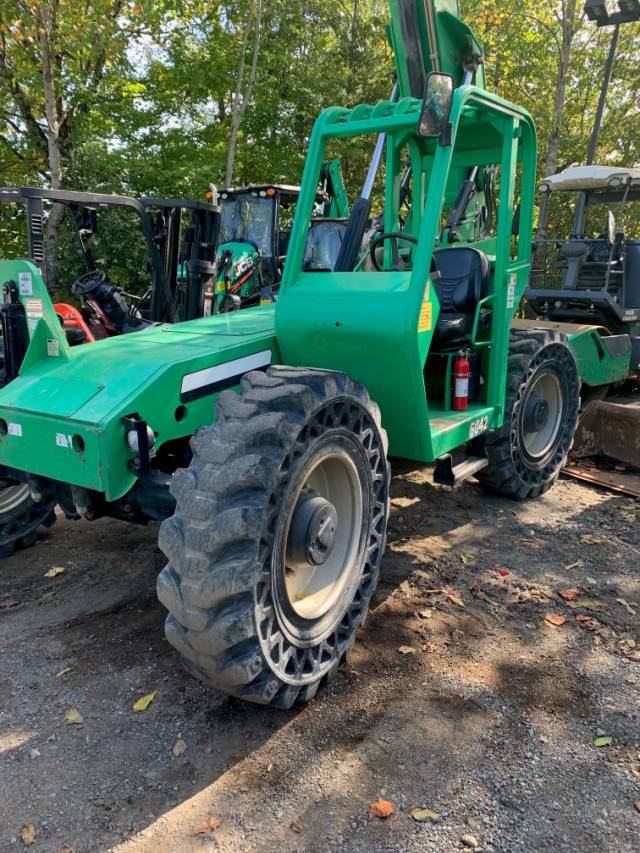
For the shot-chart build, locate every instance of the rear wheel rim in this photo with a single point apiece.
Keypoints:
(542, 415)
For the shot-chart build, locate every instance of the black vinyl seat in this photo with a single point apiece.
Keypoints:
(462, 281)
(75, 336)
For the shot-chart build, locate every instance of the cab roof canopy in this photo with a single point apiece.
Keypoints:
(584, 178)
(284, 189)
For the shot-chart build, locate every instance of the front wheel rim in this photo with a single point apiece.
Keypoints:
(315, 580)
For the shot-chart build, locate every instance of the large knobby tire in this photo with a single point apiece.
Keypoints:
(275, 546)
(541, 413)
(21, 516)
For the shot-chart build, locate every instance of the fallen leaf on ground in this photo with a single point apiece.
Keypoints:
(590, 539)
(568, 594)
(603, 740)
(179, 747)
(504, 573)
(49, 594)
(425, 816)
(588, 622)
(144, 701)
(626, 605)
(54, 571)
(381, 808)
(28, 834)
(295, 827)
(637, 805)
(454, 598)
(206, 825)
(64, 671)
(66, 848)
(469, 840)
(8, 603)
(72, 715)
(425, 614)
(631, 679)
(407, 650)
(554, 619)
(626, 643)
(586, 604)
(591, 581)
(467, 557)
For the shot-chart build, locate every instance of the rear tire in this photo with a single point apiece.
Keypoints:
(275, 546)
(541, 413)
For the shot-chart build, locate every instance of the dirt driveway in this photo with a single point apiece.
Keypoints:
(459, 696)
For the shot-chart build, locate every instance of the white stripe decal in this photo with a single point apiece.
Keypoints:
(220, 372)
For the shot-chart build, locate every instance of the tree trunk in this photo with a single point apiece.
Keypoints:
(568, 24)
(46, 14)
(240, 98)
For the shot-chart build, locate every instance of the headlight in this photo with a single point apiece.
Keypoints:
(132, 440)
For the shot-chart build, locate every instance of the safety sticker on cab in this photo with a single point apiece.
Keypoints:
(25, 284)
(425, 319)
(33, 307)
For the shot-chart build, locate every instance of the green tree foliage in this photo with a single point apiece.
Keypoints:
(143, 92)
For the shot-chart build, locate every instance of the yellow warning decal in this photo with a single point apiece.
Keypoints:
(424, 321)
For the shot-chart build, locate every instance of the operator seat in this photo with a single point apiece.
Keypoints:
(461, 282)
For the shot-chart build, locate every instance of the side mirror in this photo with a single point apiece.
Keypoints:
(436, 107)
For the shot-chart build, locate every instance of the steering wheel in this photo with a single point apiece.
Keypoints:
(378, 239)
(88, 283)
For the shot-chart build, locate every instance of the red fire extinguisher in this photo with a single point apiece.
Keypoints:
(460, 382)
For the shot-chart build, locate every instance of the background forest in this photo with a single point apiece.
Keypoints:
(165, 97)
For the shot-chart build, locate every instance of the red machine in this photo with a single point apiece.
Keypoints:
(73, 323)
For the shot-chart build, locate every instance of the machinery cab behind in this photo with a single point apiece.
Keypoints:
(254, 237)
(255, 232)
(594, 276)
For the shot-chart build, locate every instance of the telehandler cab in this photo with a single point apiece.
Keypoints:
(276, 513)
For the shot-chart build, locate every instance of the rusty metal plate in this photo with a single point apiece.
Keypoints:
(609, 429)
(627, 483)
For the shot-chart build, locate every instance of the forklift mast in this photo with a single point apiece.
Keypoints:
(429, 35)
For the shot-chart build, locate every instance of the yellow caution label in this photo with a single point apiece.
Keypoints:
(424, 321)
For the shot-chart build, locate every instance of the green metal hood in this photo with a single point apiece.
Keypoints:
(62, 416)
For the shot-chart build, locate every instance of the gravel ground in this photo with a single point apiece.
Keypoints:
(488, 718)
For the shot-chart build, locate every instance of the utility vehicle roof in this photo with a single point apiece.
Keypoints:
(285, 189)
(591, 178)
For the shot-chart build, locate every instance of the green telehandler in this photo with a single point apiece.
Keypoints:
(262, 437)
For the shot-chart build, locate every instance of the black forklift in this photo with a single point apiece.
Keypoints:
(180, 238)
